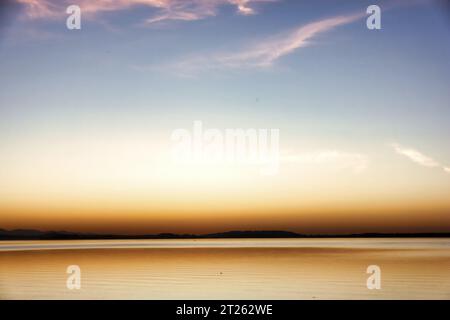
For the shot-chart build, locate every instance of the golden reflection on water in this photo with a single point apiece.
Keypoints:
(246, 269)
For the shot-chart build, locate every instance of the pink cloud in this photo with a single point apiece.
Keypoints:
(186, 10)
(264, 53)
(267, 51)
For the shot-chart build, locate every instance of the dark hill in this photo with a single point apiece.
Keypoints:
(25, 234)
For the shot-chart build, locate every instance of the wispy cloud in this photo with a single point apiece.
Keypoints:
(340, 160)
(186, 10)
(266, 52)
(191, 10)
(418, 157)
(270, 50)
(415, 156)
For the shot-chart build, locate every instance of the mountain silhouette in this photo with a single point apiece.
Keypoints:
(30, 234)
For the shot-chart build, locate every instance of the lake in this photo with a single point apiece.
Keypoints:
(226, 269)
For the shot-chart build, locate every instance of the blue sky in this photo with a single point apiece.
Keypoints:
(394, 74)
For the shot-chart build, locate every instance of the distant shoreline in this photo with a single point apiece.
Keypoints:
(21, 234)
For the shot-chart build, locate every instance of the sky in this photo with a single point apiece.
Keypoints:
(87, 116)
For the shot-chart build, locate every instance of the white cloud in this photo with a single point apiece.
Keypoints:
(263, 53)
(418, 157)
(415, 156)
(268, 51)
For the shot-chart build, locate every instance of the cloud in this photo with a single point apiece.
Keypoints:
(37, 9)
(191, 10)
(415, 156)
(418, 157)
(268, 51)
(265, 52)
(186, 10)
(331, 158)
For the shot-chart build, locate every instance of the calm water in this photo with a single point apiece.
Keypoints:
(226, 269)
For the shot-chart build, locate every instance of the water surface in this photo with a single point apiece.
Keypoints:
(226, 269)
